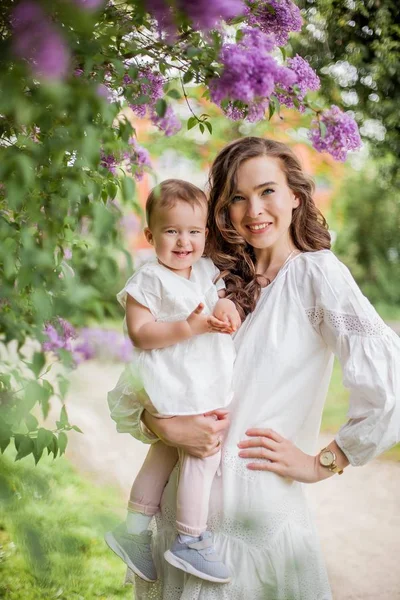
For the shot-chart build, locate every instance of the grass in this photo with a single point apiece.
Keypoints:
(336, 407)
(51, 534)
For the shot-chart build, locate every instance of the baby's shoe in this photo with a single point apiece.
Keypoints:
(198, 558)
(134, 549)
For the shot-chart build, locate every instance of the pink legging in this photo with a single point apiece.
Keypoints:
(195, 479)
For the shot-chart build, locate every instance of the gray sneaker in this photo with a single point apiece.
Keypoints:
(198, 558)
(135, 551)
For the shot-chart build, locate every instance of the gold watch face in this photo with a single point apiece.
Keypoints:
(326, 458)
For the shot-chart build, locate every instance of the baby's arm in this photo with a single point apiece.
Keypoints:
(226, 311)
(148, 334)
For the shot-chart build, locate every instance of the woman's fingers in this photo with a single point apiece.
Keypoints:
(264, 453)
(259, 442)
(268, 433)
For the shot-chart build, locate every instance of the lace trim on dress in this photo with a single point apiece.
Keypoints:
(345, 324)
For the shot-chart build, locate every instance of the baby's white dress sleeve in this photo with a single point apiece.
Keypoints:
(213, 273)
(145, 287)
(368, 351)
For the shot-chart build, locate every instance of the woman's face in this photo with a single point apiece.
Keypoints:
(262, 203)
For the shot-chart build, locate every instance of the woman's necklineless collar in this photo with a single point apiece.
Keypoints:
(287, 259)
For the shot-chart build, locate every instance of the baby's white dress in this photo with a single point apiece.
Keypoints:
(285, 348)
(188, 378)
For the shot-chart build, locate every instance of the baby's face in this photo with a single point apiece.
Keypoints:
(178, 234)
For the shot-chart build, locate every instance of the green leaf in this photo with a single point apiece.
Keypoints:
(161, 107)
(52, 447)
(4, 443)
(188, 76)
(174, 93)
(141, 100)
(76, 428)
(127, 188)
(63, 416)
(25, 447)
(209, 126)
(43, 439)
(192, 122)
(201, 127)
(62, 442)
(38, 363)
(31, 422)
(322, 128)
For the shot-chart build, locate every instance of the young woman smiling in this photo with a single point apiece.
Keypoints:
(301, 307)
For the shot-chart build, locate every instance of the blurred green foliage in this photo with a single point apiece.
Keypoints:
(51, 534)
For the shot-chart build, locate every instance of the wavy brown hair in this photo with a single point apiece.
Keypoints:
(229, 251)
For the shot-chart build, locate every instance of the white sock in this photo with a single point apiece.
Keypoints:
(188, 539)
(137, 522)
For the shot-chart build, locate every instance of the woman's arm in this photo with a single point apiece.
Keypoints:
(284, 458)
(198, 435)
(369, 354)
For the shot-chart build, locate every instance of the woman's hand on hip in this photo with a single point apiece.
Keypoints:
(198, 435)
(279, 456)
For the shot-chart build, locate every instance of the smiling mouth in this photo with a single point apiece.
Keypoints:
(182, 253)
(258, 227)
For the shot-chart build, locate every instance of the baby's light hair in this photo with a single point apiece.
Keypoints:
(171, 191)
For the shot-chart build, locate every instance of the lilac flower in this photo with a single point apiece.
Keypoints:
(169, 123)
(109, 162)
(104, 344)
(249, 74)
(78, 72)
(139, 157)
(67, 253)
(306, 80)
(151, 85)
(335, 132)
(205, 15)
(59, 335)
(279, 17)
(37, 41)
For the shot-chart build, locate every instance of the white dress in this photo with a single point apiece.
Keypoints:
(312, 310)
(180, 379)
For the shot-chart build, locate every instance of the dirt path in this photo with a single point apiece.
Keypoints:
(357, 513)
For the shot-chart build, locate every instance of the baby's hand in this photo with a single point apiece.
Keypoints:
(200, 323)
(226, 311)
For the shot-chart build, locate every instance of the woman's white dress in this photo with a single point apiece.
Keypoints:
(311, 311)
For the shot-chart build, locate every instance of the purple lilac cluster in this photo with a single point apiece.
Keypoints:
(278, 17)
(169, 123)
(38, 41)
(100, 343)
(109, 162)
(138, 157)
(249, 75)
(204, 15)
(59, 335)
(337, 135)
(151, 85)
(306, 80)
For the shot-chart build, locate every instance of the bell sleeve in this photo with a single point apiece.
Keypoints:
(369, 354)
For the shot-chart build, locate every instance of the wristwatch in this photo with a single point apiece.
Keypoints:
(327, 459)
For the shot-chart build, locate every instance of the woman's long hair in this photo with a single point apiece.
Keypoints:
(229, 251)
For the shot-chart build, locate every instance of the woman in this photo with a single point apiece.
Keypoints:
(301, 307)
